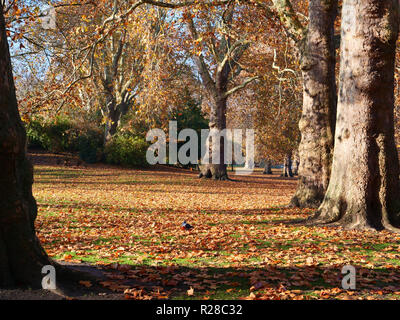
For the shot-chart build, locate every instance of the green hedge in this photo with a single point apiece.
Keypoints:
(52, 136)
(63, 135)
(36, 135)
(127, 151)
(90, 145)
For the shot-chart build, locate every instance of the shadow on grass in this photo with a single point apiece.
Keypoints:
(268, 281)
(141, 209)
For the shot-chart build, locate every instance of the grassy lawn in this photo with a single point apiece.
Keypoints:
(128, 222)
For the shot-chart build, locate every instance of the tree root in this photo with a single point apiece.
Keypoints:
(343, 223)
(68, 273)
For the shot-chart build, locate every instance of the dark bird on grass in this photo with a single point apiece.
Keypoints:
(186, 226)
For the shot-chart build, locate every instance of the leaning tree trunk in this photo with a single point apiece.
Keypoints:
(317, 124)
(364, 189)
(217, 121)
(21, 255)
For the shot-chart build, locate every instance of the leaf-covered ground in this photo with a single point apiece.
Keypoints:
(128, 223)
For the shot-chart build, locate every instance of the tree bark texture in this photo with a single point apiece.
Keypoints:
(21, 255)
(364, 192)
(317, 124)
(217, 121)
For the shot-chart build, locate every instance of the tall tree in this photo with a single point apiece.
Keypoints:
(217, 73)
(316, 45)
(364, 191)
(21, 255)
(117, 79)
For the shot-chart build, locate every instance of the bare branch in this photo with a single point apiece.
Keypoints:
(199, 60)
(182, 4)
(241, 86)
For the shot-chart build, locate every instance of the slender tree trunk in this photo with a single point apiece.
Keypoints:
(364, 188)
(21, 255)
(217, 121)
(296, 165)
(317, 124)
(287, 166)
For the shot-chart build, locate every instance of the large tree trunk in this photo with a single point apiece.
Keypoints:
(114, 114)
(217, 121)
(110, 129)
(317, 124)
(21, 255)
(364, 189)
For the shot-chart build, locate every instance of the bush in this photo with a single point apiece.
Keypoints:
(64, 135)
(58, 137)
(49, 136)
(127, 151)
(90, 145)
(35, 133)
